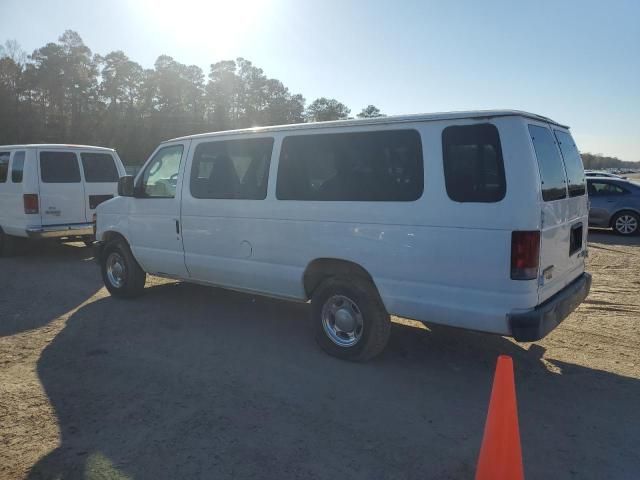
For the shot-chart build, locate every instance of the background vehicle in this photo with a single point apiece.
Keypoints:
(597, 173)
(471, 219)
(52, 191)
(615, 203)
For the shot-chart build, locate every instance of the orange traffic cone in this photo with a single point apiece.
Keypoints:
(500, 454)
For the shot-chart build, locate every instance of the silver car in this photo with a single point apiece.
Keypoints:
(615, 203)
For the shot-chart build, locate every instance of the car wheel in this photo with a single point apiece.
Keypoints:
(121, 273)
(626, 223)
(349, 318)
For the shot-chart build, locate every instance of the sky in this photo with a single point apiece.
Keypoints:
(577, 62)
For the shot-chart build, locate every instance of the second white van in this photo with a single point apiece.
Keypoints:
(475, 220)
(52, 191)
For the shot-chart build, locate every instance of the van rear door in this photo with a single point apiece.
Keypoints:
(564, 208)
(61, 188)
(101, 179)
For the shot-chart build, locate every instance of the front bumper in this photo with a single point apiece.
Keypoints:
(537, 323)
(59, 231)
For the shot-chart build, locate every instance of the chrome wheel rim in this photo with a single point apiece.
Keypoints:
(116, 270)
(342, 321)
(626, 224)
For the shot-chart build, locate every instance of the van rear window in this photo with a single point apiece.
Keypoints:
(554, 185)
(379, 166)
(99, 168)
(572, 163)
(17, 167)
(4, 166)
(473, 164)
(59, 167)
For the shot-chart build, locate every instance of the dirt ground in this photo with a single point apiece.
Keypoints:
(196, 382)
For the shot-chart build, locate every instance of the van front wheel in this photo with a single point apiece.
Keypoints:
(121, 274)
(349, 318)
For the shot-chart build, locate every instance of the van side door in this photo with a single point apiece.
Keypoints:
(225, 213)
(154, 213)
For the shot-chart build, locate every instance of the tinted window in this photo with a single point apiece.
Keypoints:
(4, 166)
(17, 167)
(473, 165)
(604, 188)
(59, 167)
(363, 166)
(160, 178)
(236, 169)
(572, 163)
(550, 164)
(99, 167)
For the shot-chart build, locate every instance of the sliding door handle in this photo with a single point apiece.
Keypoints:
(178, 226)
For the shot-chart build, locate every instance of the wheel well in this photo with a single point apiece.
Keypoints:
(322, 268)
(624, 210)
(110, 236)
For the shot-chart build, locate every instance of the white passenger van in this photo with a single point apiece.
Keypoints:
(53, 190)
(475, 220)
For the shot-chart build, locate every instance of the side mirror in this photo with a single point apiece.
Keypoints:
(125, 186)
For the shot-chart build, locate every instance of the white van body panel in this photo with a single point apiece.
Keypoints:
(433, 259)
(63, 208)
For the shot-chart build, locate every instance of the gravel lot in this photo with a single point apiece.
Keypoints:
(195, 382)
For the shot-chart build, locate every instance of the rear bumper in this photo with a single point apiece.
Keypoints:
(58, 231)
(537, 323)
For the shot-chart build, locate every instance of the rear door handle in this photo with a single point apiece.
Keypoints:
(178, 227)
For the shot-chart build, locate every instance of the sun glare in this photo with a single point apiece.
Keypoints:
(216, 25)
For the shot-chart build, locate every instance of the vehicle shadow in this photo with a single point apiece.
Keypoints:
(196, 382)
(609, 237)
(29, 298)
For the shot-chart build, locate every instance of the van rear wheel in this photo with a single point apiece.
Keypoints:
(349, 318)
(121, 273)
(626, 223)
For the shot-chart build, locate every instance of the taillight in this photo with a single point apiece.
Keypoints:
(30, 203)
(525, 255)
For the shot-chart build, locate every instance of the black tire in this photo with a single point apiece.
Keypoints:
(88, 241)
(621, 227)
(131, 275)
(376, 324)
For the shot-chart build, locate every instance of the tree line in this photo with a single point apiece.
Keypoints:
(597, 162)
(64, 93)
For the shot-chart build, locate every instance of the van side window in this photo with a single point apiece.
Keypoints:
(160, 178)
(59, 167)
(552, 175)
(231, 169)
(363, 166)
(17, 167)
(99, 167)
(473, 164)
(4, 166)
(572, 163)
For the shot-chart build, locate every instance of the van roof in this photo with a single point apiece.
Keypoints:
(56, 145)
(419, 117)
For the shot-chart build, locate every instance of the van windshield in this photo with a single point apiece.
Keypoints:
(572, 163)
